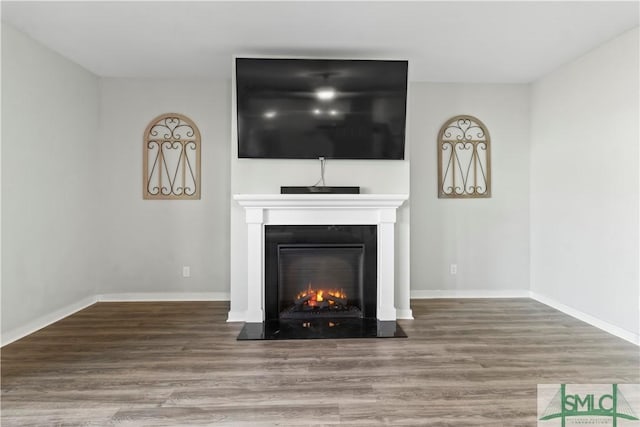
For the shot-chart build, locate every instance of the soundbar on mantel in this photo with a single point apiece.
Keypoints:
(319, 189)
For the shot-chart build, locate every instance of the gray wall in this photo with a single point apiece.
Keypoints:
(488, 239)
(145, 243)
(584, 184)
(49, 129)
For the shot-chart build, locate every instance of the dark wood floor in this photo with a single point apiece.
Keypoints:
(465, 363)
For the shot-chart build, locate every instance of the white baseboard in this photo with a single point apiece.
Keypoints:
(405, 314)
(70, 309)
(46, 320)
(60, 314)
(163, 296)
(236, 316)
(587, 318)
(460, 293)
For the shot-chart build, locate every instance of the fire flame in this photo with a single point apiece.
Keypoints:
(319, 295)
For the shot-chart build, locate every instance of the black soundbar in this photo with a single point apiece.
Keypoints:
(322, 190)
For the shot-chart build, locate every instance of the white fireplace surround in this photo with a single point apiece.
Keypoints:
(320, 209)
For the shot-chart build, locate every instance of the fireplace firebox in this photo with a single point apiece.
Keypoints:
(320, 281)
(320, 272)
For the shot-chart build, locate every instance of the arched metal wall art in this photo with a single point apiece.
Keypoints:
(171, 158)
(464, 159)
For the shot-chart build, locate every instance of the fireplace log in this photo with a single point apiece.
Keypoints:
(304, 299)
(336, 300)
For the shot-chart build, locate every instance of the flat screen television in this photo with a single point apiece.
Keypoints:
(311, 108)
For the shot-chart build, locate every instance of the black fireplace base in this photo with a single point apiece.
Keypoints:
(320, 329)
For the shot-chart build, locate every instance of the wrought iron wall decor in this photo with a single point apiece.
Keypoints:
(171, 158)
(464, 159)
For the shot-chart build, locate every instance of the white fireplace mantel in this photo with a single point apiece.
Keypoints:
(320, 209)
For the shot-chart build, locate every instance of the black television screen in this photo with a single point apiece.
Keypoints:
(311, 108)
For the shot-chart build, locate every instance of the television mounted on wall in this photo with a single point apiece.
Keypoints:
(312, 108)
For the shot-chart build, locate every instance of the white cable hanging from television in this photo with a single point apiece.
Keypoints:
(321, 180)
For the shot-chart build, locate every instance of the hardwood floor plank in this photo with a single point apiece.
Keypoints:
(466, 362)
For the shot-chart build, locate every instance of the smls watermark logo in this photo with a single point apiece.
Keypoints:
(612, 405)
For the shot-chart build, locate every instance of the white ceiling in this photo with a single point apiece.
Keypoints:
(507, 42)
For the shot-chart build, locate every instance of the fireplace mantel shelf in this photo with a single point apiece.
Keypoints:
(320, 209)
(274, 201)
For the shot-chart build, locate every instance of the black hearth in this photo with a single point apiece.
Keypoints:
(320, 282)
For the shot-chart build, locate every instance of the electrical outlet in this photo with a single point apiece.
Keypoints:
(453, 269)
(186, 271)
